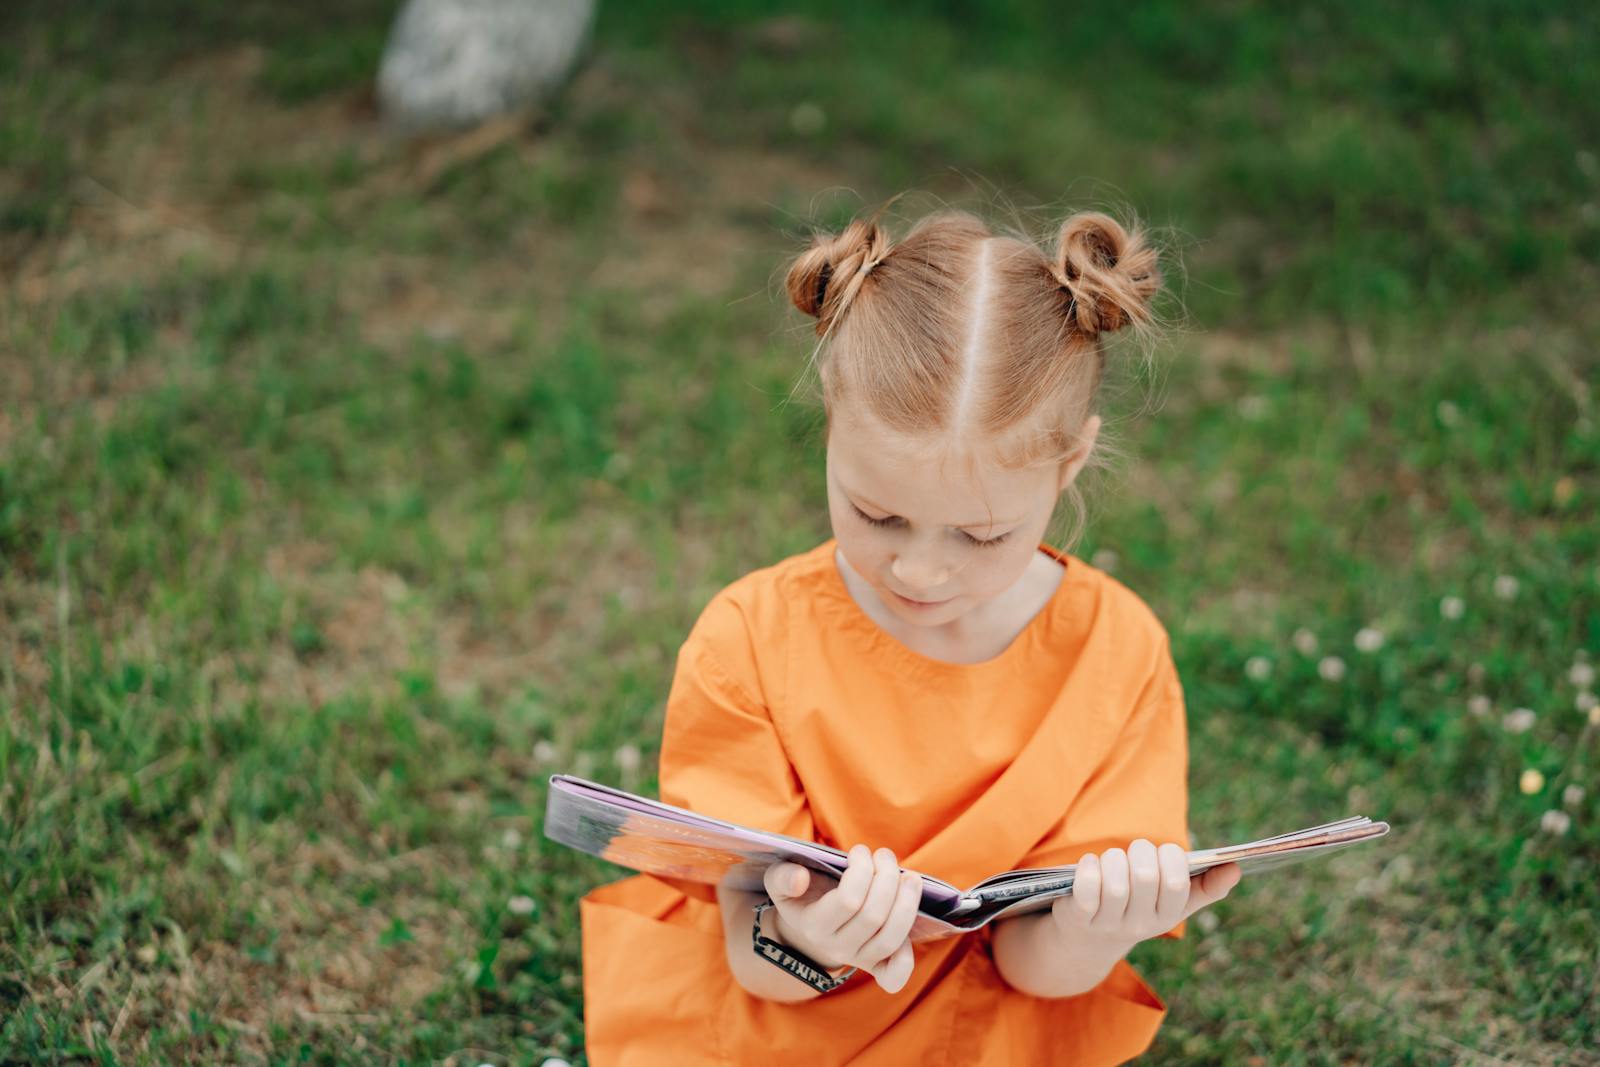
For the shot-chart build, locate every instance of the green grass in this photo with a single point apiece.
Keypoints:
(347, 491)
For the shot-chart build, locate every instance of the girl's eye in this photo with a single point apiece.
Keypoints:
(975, 541)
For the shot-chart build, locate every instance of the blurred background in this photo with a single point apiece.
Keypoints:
(352, 483)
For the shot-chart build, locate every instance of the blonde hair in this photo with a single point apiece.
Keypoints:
(960, 333)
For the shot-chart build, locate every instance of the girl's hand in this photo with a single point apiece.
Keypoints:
(1127, 897)
(863, 921)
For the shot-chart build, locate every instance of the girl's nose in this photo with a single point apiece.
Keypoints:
(919, 573)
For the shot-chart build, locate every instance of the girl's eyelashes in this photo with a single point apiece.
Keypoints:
(975, 541)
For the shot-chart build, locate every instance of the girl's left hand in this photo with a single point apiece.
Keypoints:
(1128, 897)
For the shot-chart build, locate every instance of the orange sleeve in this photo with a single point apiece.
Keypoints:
(1139, 790)
(720, 751)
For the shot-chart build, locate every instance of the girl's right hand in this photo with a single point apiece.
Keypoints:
(864, 921)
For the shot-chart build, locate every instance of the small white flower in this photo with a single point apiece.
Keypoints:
(520, 905)
(1104, 559)
(627, 757)
(1452, 607)
(1479, 705)
(1252, 408)
(1585, 701)
(1519, 720)
(1207, 921)
(807, 118)
(1555, 822)
(1305, 641)
(1506, 586)
(1581, 675)
(1449, 414)
(1369, 639)
(511, 840)
(1257, 668)
(544, 753)
(1572, 795)
(1331, 668)
(1531, 782)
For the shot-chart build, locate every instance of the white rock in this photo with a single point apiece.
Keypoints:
(459, 62)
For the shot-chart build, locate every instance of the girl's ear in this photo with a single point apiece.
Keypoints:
(1074, 463)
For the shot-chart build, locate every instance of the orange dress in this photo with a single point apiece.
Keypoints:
(792, 710)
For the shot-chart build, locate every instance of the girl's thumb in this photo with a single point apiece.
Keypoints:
(784, 881)
(1212, 886)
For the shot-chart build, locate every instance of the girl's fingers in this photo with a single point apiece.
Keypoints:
(1144, 880)
(836, 908)
(880, 898)
(1211, 886)
(1086, 888)
(893, 973)
(902, 916)
(1174, 867)
(1114, 887)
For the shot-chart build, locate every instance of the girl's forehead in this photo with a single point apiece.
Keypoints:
(929, 476)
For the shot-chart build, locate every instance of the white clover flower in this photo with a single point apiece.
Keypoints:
(1555, 822)
(1581, 675)
(627, 757)
(1331, 668)
(1104, 559)
(511, 840)
(520, 905)
(1506, 586)
(1251, 408)
(1572, 795)
(1452, 607)
(1369, 639)
(1479, 705)
(1531, 782)
(544, 753)
(1305, 641)
(1207, 921)
(1519, 720)
(1449, 414)
(1258, 668)
(1585, 701)
(807, 118)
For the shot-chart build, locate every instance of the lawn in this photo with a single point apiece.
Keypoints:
(350, 487)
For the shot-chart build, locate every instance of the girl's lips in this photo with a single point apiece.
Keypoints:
(908, 602)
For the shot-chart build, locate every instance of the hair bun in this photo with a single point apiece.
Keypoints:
(826, 277)
(1110, 275)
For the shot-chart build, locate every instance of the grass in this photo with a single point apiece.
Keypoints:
(349, 488)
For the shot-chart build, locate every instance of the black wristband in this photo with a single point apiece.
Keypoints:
(793, 961)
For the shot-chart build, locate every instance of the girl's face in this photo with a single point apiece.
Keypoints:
(936, 538)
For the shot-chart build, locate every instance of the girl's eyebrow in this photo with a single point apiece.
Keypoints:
(854, 497)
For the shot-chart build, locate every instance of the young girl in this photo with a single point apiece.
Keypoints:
(933, 689)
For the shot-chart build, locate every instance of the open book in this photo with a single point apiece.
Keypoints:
(660, 839)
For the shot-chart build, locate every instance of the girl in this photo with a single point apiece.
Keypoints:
(933, 687)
